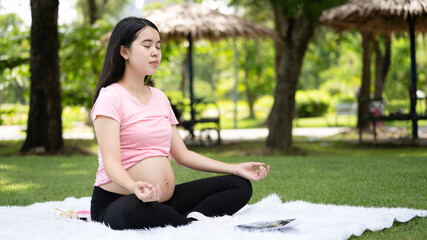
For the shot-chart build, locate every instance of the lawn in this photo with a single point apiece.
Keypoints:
(319, 172)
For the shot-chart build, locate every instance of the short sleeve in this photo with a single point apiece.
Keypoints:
(107, 104)
(172, 117)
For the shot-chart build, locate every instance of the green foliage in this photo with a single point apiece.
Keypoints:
(168, 77)
(213, 66)
(258, 67)
(14, 59)
(153, 5)
(333, 64)
(324, 52)
(81, 58)
(255, 10)
(206, 69)
(110, 9)
(73, 114)
(14, 41)
(16, 84)
(311, 8)
(13, 114)
(312, 103)
(17, 114)
(399, 76)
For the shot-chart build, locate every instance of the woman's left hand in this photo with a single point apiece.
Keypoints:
(254, 171)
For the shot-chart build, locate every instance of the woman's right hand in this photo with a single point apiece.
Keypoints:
(147, 192)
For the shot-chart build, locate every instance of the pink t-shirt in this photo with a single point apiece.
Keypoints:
(145, 130)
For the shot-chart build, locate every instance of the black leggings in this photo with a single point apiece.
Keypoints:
(215, 196)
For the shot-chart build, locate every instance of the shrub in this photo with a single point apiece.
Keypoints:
(312, 103)
(17, 114)
(13, 114)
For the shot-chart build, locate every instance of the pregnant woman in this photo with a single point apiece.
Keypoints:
(137, 136)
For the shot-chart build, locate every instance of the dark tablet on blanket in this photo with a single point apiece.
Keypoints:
(265, 225)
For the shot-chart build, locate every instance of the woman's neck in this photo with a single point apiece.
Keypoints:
(136, 87)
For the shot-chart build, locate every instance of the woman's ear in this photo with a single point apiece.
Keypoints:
(124, 52)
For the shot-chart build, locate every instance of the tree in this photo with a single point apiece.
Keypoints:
(44, 129)
(382, 62)
(83, 48)
(81, 60)
(258, 77)
(92, 10)
(322, 54)
(295, 21)
(256, 56)
(365, 87)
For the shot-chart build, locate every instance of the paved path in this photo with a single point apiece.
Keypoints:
(17, 133)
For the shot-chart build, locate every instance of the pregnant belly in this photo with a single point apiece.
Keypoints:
(155, 170)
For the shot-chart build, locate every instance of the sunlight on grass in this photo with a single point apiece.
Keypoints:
(67, 165)
(75, 172)
(5, 167)
(5, 186)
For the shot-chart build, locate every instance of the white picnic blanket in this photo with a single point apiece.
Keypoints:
(313, 221)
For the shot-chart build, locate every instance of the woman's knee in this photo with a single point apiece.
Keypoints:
(244, 186)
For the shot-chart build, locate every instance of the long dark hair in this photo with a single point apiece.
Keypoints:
(125, 32)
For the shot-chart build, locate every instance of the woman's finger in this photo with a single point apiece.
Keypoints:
(151, 196)
(262, 170)
(159, 192)
(257, 164)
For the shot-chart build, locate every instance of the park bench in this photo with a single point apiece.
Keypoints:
(377, 113)
(345, 109)
(204, 117)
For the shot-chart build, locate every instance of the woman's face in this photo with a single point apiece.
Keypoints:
(144, 55)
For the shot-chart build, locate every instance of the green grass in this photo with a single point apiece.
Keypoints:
(318, 172)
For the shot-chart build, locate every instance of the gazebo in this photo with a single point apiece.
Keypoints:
(384, 16)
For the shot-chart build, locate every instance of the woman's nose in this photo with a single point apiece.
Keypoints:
(155, 52)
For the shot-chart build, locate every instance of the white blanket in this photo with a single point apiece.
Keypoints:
(313, 221)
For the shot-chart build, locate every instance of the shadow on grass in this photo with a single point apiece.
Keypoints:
(25, 180)
(71, 148)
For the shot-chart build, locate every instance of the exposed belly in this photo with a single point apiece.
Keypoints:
(155, 170)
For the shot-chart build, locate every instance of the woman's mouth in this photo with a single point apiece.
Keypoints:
(155, 63)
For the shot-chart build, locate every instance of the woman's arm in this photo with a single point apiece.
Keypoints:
(195, 161)
(107, 133)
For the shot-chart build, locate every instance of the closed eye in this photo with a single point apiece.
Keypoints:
(148, 44)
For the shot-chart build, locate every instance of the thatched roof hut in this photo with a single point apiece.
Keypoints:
(377, 16)
(373, 16)
(176, 22)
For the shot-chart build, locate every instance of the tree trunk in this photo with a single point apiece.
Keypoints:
(296, 33)
(92, 12)
(44, 129)
(248, 91)
(365, 88)
(382, 63)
